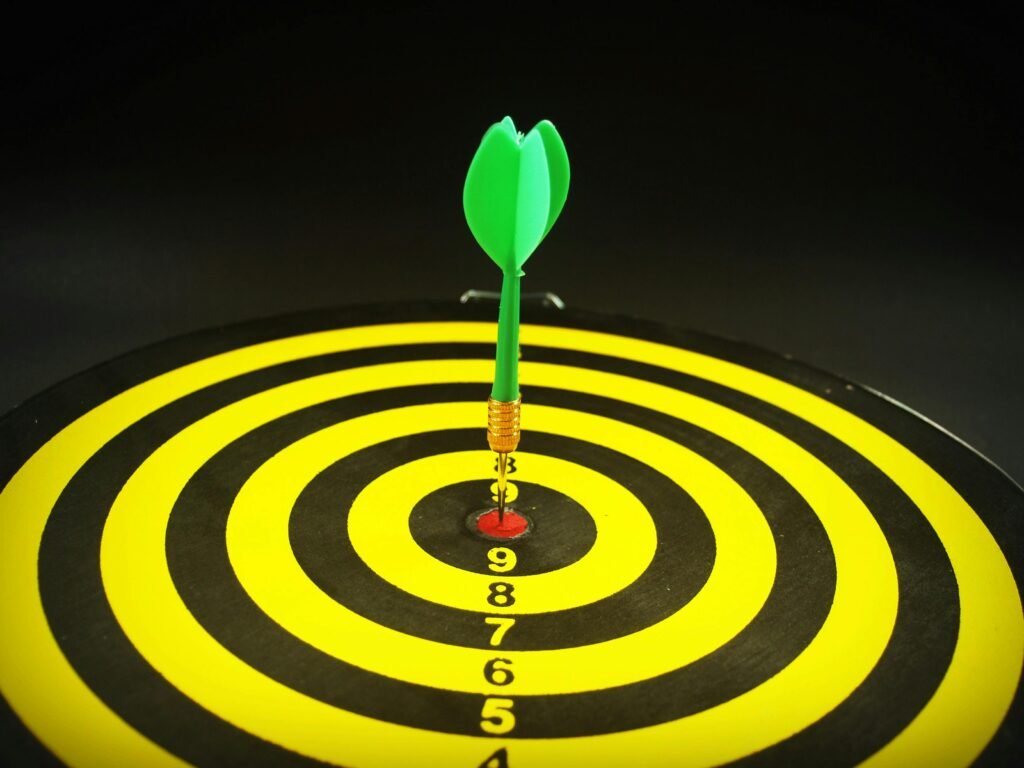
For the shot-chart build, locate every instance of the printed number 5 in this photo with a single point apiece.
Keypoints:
(497, 717)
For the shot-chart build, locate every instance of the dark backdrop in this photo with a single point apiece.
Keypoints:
(840, 185)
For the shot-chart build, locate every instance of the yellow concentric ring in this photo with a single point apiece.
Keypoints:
(378, 525)
(147, 606)
(142, 595)
(981, 678)
(266, 567)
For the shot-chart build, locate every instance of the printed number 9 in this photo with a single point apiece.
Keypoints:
(502, 559)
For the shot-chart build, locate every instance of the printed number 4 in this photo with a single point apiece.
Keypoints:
(498, 760)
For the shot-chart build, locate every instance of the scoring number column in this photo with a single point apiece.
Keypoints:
(496, 717)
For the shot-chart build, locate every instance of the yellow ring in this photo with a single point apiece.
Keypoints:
(257, 541)
(981, 678)
(378, 523)
(141, 593)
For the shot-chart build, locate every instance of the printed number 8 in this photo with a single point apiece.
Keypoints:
(501, 594)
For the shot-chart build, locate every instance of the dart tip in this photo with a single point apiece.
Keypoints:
(502, 484)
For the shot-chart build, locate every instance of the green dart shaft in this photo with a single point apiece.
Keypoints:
(515, 189)
(506, 369)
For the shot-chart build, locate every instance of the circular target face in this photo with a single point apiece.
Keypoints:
(256, 546)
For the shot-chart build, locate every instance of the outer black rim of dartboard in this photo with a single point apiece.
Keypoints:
(997, 499)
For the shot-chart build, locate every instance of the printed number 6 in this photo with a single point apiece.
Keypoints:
(499, 675)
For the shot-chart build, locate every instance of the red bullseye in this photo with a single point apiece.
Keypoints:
(511, 525)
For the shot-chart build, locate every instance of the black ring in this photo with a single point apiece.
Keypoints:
(440, 528)
(938, 630)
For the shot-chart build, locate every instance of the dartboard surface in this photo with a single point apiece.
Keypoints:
(250, 547)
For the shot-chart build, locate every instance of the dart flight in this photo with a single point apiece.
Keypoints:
(515, 190)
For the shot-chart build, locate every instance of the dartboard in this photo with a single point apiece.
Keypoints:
(255, 546)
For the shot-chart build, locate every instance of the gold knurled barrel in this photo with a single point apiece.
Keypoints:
(503, 424)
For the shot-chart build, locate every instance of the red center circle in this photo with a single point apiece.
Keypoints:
(513, 524)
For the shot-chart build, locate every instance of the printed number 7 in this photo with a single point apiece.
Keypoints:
(502, 625)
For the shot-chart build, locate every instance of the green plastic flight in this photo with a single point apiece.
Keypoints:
(515, 189)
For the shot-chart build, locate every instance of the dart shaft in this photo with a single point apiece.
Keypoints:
(506, 369)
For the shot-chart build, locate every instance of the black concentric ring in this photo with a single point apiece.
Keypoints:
(681, 565)
(439, 526)
(468, 702)
(597, 711)
(322, 531)
(894, 692)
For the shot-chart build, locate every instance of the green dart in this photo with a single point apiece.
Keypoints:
(515, 190)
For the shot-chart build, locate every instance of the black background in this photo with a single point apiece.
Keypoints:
(839, 184)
